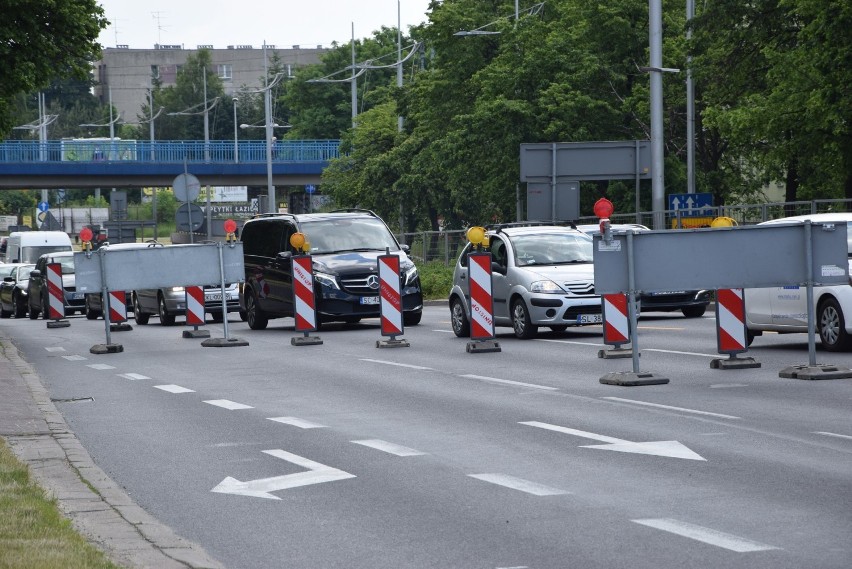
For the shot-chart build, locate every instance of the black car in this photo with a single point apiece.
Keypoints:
(13, 289)
(344, 246)
(37, 300)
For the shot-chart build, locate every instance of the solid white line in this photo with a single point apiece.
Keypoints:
(389, 448)
(226, 404)
(508, 382)
(727, 385)
(174, 389)
(133, 376)
(833, 435)
(596, 344)
(73, 358)
(695, 411)
(444, 331)
(575, 432)
(54, 349)
(394, 364)
(519, 484)
(296, 422)
(706, 535)
(100, 366)
(681, 353)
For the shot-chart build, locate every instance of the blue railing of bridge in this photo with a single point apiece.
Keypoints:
(167, 151)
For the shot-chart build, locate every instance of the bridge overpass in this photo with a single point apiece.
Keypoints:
(102, 163)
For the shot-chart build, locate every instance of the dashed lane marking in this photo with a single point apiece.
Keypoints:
(133, 376)
(706, 535)
(389, 448)
(827, 434)
(54, 348)
(226, 404)
(385, 362)
(174, 389)
(509, 382)
(519, 484)
(659, 406)
(74, 358)
(100, 366)
(680, 353)
(296, 422)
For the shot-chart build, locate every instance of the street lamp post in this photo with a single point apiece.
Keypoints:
(236, 148)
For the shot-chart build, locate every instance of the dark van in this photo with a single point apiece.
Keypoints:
(344, 246)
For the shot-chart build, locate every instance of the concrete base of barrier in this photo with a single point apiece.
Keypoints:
(224, 343)
(196, 333)
(123, 327)
(734, 362)
(106, 349)
(819, 371)
(615, 353)
(393, 343)
(483, 346)
(631, 379)
(58, 324)
(305, 341)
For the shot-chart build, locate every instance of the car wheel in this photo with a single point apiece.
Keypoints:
(216, 317)
(832, 327)
(91, 313)
(560, 328)
(694, 311)
(243, 315)
(458, 319)
(20, 306)
(521, 321)
(256, 318)
(140, 317)
(412, 318)
(166, 319)
(5, 313)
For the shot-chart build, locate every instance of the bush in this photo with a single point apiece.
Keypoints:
(436, 280)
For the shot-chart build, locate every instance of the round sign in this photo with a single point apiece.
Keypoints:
(475, 235)
(603, 208)
(230, 226)
(189, 217)
(186, 187)
(297, 240)
(86, 234)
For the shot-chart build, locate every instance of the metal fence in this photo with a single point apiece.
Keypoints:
(445, 246)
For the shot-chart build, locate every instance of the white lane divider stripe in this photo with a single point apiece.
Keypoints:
(706, 535)
(226, 404)
(519, 484)
(827, 434)
(385, 362)
(74, 358)
(174, 388)
(659, 406)
(296, 422)
(133, 376)
(100, 366)
(595, 344)
(389, 448)
(54, 348)
(508, 382)
(680, 353)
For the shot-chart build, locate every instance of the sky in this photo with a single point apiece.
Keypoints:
(283, 23)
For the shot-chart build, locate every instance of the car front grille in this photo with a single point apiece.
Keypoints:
(365, 283)
(580, 288)
(573, 312)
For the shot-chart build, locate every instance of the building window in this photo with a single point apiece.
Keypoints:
(155, 71)
(225, 71)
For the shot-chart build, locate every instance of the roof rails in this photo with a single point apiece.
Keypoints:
(497, 227)
(354, 210)
(258, 215)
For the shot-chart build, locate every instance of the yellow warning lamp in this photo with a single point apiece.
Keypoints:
(723, 222)
(476, 235)
(299, 242)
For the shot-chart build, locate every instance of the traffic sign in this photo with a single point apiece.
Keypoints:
(43, 206)
(189, 217)
(691, 204)
(186, 187)
(310, 188)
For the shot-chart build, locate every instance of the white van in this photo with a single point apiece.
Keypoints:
(28, 246)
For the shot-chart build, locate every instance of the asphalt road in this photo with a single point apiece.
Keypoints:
(345, 455)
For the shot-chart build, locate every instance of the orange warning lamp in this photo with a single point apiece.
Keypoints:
(230, 227)
(298, 241)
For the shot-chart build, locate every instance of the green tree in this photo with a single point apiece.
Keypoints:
(42, 41)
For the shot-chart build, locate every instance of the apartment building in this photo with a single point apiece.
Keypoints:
(124, 74)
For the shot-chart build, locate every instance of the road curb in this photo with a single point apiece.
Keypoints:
(98, 508)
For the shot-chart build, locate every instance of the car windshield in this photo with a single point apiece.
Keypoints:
(348, 234)
(31, 254)
(24, 272)
(552, 249)
(6, 270)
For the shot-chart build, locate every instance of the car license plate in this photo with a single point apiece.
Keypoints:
(370, 300)
(78, 296)
(212, 297)
(589, 319)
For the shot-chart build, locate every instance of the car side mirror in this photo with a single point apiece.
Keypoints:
(36, 273)
(9, 279)
(406, 248)
(284, 255)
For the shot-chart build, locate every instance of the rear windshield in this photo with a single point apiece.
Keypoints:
(31, 254)
(552, 249)
(349, 234)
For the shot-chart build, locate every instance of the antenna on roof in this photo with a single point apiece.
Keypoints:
(160, 27)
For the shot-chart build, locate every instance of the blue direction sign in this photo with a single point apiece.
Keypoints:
(310, 188)
(43, 206)
(692, 204)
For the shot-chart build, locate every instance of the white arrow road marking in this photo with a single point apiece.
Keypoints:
(389, 448)
(296, 422)
(226, 404)
(133, 376)
(671, 449)
(317, 473)
(519, 484)
(706, 535)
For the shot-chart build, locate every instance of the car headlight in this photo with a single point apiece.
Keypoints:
(327, 280)
(177, 289)
(546, 287)
(410, 274)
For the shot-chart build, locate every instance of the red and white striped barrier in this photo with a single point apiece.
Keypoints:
(303, 294)
(481, 300)
(391, 297)
(117, 306)
(194, 306)
(616, 330)
(730, 321)
(56, 294)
